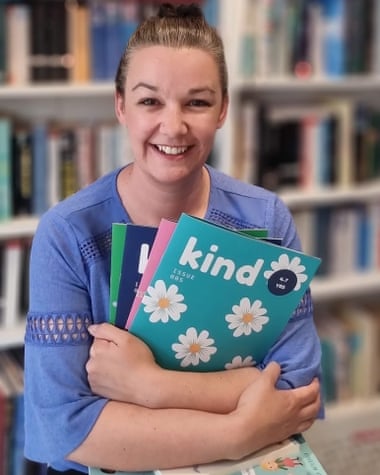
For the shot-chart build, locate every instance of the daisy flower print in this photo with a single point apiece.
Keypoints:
(163, 303)
(247, 317)
(193, 348)
(286, 275)
(239, 362)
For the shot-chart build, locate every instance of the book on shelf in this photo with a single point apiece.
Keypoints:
(294, 455)
(22, 163)
(78, 40)
(48, 41)
(5, 168)
(40, 168)
(17, 25)
(13, 254)
(219, 288)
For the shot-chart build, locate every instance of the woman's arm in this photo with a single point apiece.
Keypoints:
(130, 437)
(119, 359)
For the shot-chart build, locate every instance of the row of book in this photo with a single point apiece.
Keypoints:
(350, 340)
(307, 146)
(346, 237)
(74, 40)
(309, 38)
(42, 163)
(12, 461)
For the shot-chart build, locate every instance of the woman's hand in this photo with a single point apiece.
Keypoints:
(121, 366)
(268, 415)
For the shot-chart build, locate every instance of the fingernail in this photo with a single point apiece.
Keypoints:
(92, 329)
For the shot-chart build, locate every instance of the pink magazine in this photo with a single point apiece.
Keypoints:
(164, 233)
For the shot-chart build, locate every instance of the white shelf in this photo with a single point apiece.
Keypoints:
(59, 101)
(57, 90)
(345, 84)
(12, 337)
(332, 195)
(345, 286)
(18, 227)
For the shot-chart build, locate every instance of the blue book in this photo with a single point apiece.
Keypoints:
(130, 265)
(98, 31)
(334, 47)
(218, 298)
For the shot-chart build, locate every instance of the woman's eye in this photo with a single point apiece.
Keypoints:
(199, 103)
(148, 102)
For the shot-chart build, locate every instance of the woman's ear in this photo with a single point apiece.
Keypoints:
(223, 112)
(120, 108)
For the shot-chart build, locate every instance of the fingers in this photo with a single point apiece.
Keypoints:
(308, 394)
(273, 371)
(106, 331)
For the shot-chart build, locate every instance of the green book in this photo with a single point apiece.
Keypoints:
(117, 253)
(218, 298)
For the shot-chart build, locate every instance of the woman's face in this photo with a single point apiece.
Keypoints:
(172, 108)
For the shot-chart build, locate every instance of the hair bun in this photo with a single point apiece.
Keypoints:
(180, 11)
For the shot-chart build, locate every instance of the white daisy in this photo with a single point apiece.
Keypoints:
(163, 303)
(247, 317)
(293, 265)
(194, 348)
(239, 362)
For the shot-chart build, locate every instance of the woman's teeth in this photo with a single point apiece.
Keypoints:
(171, 150)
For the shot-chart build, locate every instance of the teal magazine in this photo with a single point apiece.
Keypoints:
(218, 298)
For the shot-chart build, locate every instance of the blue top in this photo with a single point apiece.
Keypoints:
(69, 289)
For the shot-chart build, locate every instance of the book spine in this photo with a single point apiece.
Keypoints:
(97, 21)
(39, 70)
(17, 43)
(40, 166)
(68, 163)
(22, 171)
(334, 37)
(79, 40)
(5, 169)
(58, 44)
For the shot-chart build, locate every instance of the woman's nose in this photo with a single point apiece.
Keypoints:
(173, 122)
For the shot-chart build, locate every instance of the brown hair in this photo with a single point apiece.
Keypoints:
(175, 26)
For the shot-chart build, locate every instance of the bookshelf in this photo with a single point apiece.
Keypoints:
(88, 100)
(82, 101)
(260, 83)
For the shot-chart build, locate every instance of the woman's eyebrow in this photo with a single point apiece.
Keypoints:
(145, 85)
(198, 90)
(195, 90)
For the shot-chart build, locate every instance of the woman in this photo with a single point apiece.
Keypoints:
(93, 393)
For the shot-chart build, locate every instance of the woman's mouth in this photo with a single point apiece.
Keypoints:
(172, 150)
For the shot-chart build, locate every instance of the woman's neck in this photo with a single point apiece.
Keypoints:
(147, 204)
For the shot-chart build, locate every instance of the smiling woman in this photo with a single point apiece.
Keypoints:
(94, 394)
